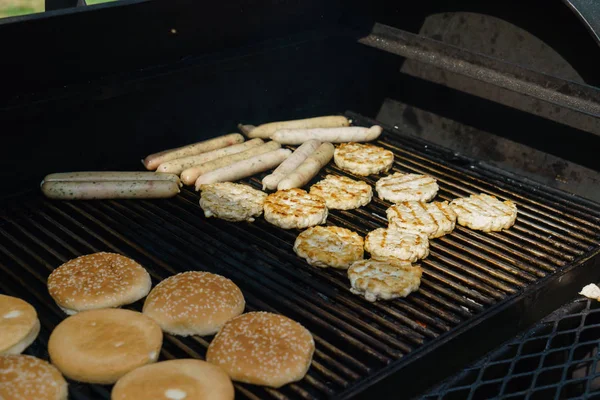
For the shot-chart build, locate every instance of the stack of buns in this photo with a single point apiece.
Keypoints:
(102, 344)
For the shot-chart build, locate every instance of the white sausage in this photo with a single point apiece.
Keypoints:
(309, 168)
(245, 168)
(180, 164)
(246, 129)
(88, 190)
(332, 135)
(154, 160)
(267, 130)
(103, 176)
(190, 175)
(290, 164)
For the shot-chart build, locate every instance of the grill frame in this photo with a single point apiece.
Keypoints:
(557, 358)
(512, 303)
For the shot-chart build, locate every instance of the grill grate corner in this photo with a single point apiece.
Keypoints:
(556, 359)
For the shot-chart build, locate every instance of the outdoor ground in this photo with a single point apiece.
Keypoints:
(11, 8)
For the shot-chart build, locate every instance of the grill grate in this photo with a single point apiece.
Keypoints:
(466, 274)
(556, 359)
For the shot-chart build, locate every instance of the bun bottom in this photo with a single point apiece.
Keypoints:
(25, 342)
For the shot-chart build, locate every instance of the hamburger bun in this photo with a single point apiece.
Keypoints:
(262, 348)
(175, 380)
(100, 280)
(27, 377)
(100, 346)
(194, 303)
(19, 325)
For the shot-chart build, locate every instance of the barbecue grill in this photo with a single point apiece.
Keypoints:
(475, 122)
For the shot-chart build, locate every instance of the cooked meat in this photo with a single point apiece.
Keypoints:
(329, 246)
(433, 219)
(341, 193)
(384, 280)
(231, 201)
(400, 187)
(295, 208)
(363, 159)
(484, 212)
(391, 243)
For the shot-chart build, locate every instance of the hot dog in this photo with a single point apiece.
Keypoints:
(190, 175)
(154, 160)
(110, 185)
(180, 164)
(309, 168)
(332, 135)
(267, 130)
(244, 168)
(290, 164)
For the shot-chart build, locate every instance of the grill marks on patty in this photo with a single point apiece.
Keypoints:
(433, 219)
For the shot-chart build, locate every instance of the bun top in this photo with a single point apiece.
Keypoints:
(99, 280)
(262, 348)
(174, 380)
(194, 303)
(27, 377)
(17, 319)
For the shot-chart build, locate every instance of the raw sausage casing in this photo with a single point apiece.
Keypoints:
(267, 130)
(154, 160)
(290, 164)
(190, 175)
(180, 164)
(109, 185)
(332, 135)
(244, 168)
(309, 168)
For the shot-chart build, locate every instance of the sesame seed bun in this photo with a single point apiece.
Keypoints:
(175, 380)
(19, 325)
(100, 346)
(194, 303)
(100, 280)
(262, 348)
(27, 377)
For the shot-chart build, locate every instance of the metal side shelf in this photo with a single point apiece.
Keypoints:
(556, 359)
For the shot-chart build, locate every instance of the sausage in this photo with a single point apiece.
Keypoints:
(244, 168)
(290, 164)
(180, 164)
(190, 175)
(267, 130)
(309, 168)
(88, 190)
(154, 160)
(246, 129)
(332, 135)
(103, 176)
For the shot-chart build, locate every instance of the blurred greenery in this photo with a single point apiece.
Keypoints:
(12, 8)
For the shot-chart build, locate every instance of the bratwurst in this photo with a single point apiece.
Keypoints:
(154, 160)
(290, 164)
(267, 130)
(110, 185)
(245, 168)
(332, 135)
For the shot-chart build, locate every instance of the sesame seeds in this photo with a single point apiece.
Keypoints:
(194, 302)
(263, 348)
(97, 281)
(25, 377)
